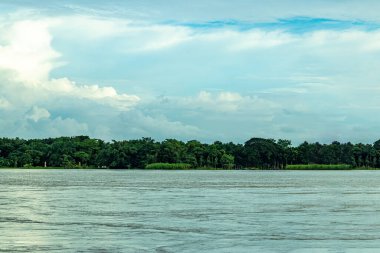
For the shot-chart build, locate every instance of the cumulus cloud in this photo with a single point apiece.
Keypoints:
(27, 59)
(103, 95)
(38, 113)
(140, 124)
(25, 51)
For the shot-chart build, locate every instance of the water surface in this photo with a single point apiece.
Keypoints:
(189, 211)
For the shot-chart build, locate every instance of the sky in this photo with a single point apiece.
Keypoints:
(203, 69)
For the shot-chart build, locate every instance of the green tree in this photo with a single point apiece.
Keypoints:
(227, 161)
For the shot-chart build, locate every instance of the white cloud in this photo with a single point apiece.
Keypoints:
(130, 36)
(52, 128)
(259, 39)
(158, 37)
(65, 127)
(359, 40)
(230, 102)
(136, 36)
(27, 58)
(103, 95)
(141, 124)
(145, 37)
(38, 113)
(74, 27)
(29, 95)
(25, 50)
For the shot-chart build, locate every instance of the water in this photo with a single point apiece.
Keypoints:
(189, 211)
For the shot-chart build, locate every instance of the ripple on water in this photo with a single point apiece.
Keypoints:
(189, 211)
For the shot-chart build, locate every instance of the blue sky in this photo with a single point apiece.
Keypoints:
(206, 70)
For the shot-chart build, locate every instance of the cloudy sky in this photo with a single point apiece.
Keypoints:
(202, 69)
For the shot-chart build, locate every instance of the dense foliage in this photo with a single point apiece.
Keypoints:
(82, 151)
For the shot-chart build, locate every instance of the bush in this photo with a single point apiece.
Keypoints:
(168, 166)
(318, 167)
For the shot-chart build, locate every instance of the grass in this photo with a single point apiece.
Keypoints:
(183, 166)
(44, 168)
(319, 167)
(31, 168)
(168, 166)
(365, 168)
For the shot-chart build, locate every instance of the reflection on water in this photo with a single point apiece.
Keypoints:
(189, 211)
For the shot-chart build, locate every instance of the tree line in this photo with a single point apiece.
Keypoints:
(83, 151)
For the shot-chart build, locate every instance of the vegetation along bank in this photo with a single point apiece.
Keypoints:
(146, 153)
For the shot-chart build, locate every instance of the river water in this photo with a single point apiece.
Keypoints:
(189, 211)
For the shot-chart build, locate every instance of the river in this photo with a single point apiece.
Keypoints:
(189, 211)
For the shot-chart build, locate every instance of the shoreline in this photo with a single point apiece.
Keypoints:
(192, 169)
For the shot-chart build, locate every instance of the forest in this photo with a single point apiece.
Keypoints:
(146, 153)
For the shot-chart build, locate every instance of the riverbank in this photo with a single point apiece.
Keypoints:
(326, 167)
(288, 168)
